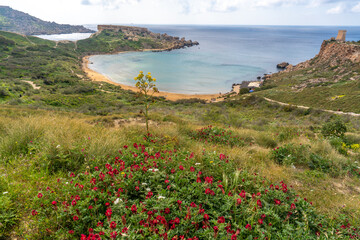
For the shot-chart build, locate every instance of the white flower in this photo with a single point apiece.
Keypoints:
(57, 146)
(153, 170)
(5, 192)
(144, 184)
(67, 183)
(148, 189)
(117, 201)
(161, 197)
(197, 163)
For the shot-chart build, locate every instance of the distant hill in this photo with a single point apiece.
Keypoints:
(15, 21)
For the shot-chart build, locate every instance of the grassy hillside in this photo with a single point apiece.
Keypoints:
(75, 159)
(330, 80)
(15, 21)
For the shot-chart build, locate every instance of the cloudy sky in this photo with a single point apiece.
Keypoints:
(234, 12)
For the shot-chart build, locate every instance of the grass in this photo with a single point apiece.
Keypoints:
(71, 124)
(38, 146)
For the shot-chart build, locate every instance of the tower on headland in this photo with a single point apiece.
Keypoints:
(341, 36)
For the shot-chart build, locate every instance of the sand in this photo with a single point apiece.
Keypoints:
(97, 77)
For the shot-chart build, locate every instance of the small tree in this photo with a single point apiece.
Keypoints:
(147, 88)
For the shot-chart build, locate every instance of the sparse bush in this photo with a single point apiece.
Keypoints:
(244, 90)
(334, 128)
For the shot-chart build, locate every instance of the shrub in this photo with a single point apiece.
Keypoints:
(334, 128)
(145, 194)
(290, 154)
(244, 90)
(217, 135)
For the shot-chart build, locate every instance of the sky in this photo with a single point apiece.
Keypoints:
(200, 12)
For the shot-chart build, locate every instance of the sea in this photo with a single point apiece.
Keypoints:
(226, 55)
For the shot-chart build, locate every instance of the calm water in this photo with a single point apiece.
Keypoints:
(226, 55)
(70, 36)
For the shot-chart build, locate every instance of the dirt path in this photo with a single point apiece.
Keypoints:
(32, 84)
(304, 107)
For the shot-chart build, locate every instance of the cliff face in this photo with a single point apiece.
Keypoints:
(19, 22)
(331, 54)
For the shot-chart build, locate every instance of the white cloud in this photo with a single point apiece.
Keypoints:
(356, 8)
(111, 4)
(336, 10)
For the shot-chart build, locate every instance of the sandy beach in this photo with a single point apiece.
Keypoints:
(95, 76)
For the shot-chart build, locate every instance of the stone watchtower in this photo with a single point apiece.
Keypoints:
(341, 36)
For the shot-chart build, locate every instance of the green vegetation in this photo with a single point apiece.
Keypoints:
(108, 41)
(329, 81)
(254, 159)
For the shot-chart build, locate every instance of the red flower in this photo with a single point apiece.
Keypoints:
(113, 225)
(216, 229)
(260, 221)
(149, 195)
(137, 188)
(192, 169)
(134, 208)
(238, 201)
(34, 212)
(221, 219)
(263, 216)
(40, 195)
(248, 226)
(54, 203)
(71, 231)
(181, 167)
(277, 201)
(73, 203)
(206, 217)
(293, 206)
(242, 194)
(259, 203)
(233, 237)
(76, 218)
(90, 207)
(113, 234)
(167, 210)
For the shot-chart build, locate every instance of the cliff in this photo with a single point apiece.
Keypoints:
(330, 80)
(331, 54)
(19, 22)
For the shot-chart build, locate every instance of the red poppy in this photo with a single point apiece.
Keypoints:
(76, 218)
(40, 195)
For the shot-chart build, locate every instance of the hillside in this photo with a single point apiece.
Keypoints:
(330, 80)
(15, 21)
(76, 162)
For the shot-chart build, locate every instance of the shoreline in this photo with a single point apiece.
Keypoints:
(98, 77)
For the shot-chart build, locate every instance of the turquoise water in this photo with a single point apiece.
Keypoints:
(226, 55)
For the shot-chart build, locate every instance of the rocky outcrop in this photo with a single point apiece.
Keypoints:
(282, 65)
(331, 54)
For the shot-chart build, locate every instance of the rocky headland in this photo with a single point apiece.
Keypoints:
(135, 34)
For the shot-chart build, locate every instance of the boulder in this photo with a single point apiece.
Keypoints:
(282, 65)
